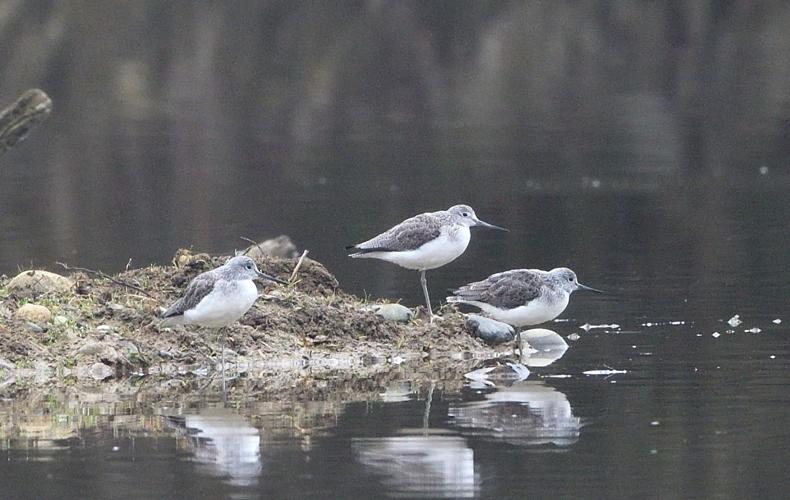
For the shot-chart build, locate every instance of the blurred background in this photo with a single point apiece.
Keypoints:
(624, 139)
(645, 144)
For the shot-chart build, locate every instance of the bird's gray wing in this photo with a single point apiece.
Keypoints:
(408, 235)
(197, 289)
(503, 290)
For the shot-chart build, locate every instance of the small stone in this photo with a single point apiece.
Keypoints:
(394, 312)
(320, 339)
(60, 320)
(104, 329)
(36, 282)
(100, 371)
(34, 327)
(129, 348)
(90, 348)
(34, 313)
(488, 330)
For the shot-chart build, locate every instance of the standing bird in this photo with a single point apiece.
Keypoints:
(219, 297)
(424, 242)
(522, 297)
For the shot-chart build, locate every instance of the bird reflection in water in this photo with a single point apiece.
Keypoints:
(223, 443)
(527, 413)
(516, 410)
(435, 466)
(543, 348)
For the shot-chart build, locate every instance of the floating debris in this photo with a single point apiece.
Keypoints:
(773, 356)
(777, 321)
(715, 335)
(734, 321)
(753, 330)
(604, 372)
(660, 323)
(587, 327)
(655, 423)
(558, 375)
(764, 170)
(574, 336)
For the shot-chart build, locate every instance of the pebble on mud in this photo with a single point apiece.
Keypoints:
(36, 282)
(489, 330)
(393, 312)
(34, 313)
(100, 371)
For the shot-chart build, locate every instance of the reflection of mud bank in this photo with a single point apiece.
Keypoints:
(98, 328)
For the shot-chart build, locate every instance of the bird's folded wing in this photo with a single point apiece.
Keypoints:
(410, 234)
(505, 290)
(197, 290)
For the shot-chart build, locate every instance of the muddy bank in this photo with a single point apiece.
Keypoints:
(102, 327)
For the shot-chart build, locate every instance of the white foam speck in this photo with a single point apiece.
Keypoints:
(715, 335)
(734, 321)
(753, 330)
(777, 321)
(587, 327)
(604, 372)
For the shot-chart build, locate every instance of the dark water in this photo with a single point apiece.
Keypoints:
(646, 146)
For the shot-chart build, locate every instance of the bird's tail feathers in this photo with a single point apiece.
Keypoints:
(172, 320)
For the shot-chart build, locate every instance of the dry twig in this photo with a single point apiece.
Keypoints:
(105, 276)
(298, 265)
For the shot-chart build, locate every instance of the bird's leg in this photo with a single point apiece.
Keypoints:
(424, 283)
(222, 348)
(520, 346)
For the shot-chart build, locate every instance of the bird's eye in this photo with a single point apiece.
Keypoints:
(249, 266)
(570, 278)
(465, 214)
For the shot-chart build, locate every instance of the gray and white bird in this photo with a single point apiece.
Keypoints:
(425, 241)
(522, 297)
(217, 298)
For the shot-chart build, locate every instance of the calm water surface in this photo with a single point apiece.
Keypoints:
(647, 149)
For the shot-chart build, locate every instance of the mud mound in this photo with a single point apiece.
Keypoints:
(115, 321)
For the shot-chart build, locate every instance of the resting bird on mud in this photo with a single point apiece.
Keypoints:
(522, 297)
(217, 298)
(425, 241)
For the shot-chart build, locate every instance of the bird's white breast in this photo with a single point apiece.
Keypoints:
(447, 247)
(533, 313)
(226, 303)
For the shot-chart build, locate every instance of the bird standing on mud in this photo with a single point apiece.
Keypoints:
(425, 241)
(217, 298)
(522, 297)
